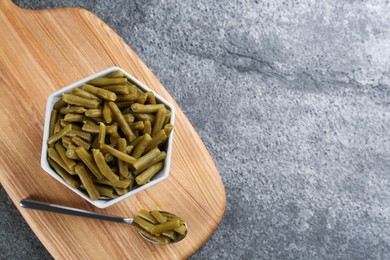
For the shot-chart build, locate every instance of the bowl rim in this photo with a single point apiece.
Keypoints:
(104, 203)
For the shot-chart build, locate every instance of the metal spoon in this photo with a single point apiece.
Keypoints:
(38, 205)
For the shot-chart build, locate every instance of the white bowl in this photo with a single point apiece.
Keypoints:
(104, 203)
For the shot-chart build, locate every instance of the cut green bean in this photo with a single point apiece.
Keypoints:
(103, 167)
(80, 101)
(151, 99)
(102, 134)
(85, 94)
(168, 129)
(142, 98)
(84, 135)
(62, 152)
(148, 128)
(129, 118)
(94, 113)
(167, 226)
(107, 81)
(73, 117)
(106, 191)
(141, 146)
(158, 123)
(71, 152)
(147, 216)
(72, 109)
(148, 174)
(139, 108)
(144, 224)
(102, 93)
(53, 119)
(59, 104)
(158, 216)
(107, 113)
(120, 191)
(124, 104)
(115, 74)
(124, 184)
(167, 117)
(136, 126)
(161, 156)
(181, 230)
(121, 121)
(144, 117)
(80, 142)
(69, 179)
(127, 97)
(52, 153)
(88, 160)
(57, 126)
(118, 154)
(66, 141)
(159, 138)
(54, 138)
(169, 234)
(87, 182)
(122, 165)
(108, 157)
(118, 89)
(146, 159)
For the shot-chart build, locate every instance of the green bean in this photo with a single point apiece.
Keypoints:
(87, 182)
(157, 239)
(80, 142)
(148, 128)
(62, 153)
(106, 191)
(71, 152)
(120, 191)
(121, 121)
(118, 89)
(146, 175)
(80, 101)
(115, 74)
(169, 234)
(107, 81)
(84, 135)
(108, 157)
(122, 165)
(181, 230)
(52, 153)
(132, 88)
(161, 156)
(69, 179)
(146, 159)
(167, 117)
(72, 109)
(118, 154)
(136, 141)
(89, 128)
(98, 119)
(89, 121)
(124, 184)
(158, 216)
(53, 119)
(95, 143)
(170, 216)
(82, 93)
(147, 216)
(127, 97)
(102, 134)
(141, 146)
(124, 104)
(144, 224)
(54, 138)
(129, 149)
(59, 104)
(73, 117)
(139, 125)
(88, 160)
(107, 113)
(102, 93)
(160, 118)
(150, 98)
(144, 117)
(139, 108)
(168, 129)
(94, 113)
(142, 98)
(103, 167)
(167, 226)
(57, 125)
(129, 118)
(159, 138)
(66, 141)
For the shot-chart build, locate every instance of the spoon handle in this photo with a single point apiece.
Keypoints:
(38, 205)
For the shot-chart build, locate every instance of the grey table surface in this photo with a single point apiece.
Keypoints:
(292, 100)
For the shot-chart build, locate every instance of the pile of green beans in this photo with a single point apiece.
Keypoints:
(160, 226)
(108, 136)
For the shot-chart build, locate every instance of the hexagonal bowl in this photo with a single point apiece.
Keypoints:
(104, 203)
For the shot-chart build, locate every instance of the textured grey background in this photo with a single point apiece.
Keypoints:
(292, 99)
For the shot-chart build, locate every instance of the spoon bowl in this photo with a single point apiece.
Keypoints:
(39, 205)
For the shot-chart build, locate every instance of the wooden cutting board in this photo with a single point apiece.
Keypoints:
(43, 51)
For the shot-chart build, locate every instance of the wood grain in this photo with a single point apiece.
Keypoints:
(43, 51)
